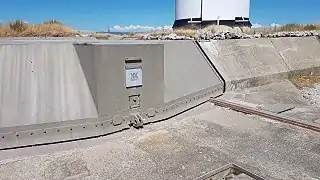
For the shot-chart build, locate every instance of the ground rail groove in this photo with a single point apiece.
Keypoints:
(248, 110)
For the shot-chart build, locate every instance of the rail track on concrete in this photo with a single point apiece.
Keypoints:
(272, 116)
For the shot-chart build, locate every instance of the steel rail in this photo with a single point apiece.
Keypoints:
(248, 110)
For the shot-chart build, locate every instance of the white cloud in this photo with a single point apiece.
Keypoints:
(139, 28)
(256, 25)
(275, 25)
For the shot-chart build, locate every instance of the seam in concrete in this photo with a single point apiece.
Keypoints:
(212, 65)
(278, 51)
(318, 37)
(258, 80)
(267, 79)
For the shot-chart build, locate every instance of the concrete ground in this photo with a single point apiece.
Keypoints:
(283, 93)
(184, 147)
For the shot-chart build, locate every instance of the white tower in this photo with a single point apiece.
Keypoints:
(206, 12)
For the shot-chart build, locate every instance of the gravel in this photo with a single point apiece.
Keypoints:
(209, 35)
(293, 34)
(312, 94)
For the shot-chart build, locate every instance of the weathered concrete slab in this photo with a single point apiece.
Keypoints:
(245, 62)
(41, 83)
(282, 94)
(277, 108)
(299, 53)
(181, 148)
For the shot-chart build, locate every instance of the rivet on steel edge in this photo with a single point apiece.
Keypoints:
(151, 112)
(117, 120)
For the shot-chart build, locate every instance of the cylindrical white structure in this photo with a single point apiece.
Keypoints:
(205, 12)
(187, 9)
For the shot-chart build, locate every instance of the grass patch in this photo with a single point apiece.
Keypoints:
(102, 36)
(289, 28)
(18, 26)
(298, 27)
(161, 33)
(180, 32)
(185, 32)
(106, 36)
(53, 21)
(131, 35)
(52, 28)
(304, 81)
(55, 28)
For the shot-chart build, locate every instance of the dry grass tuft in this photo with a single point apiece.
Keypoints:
(131, 35)
(305, 81)
(53, 21)
(18, 25)
(290, 28)
(185, 32)
(179, 32)
(6, 31)
(161, 33)
(55, 28)
(298, 27)
(47, 30)
(101, 35)
(106, 36)
(51, 28)
(216, 28)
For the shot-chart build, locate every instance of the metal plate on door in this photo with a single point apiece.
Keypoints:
(133, 77)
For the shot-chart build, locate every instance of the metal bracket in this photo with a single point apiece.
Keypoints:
(137, 121)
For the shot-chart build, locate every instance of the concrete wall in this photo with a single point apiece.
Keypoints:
(41, 83)
(48, 82)
(53, 82)
(104, 68)
(187, 70)
(298, 53)
(253, 62)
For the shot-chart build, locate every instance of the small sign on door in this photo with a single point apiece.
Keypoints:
(133, 77)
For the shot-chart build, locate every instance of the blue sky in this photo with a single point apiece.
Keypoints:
(100, 14)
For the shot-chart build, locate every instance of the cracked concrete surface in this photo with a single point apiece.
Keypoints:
(184, 147)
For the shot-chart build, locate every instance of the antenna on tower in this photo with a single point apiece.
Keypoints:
(109, 28)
